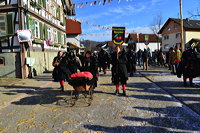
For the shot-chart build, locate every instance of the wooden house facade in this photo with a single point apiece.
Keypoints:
(46, 20)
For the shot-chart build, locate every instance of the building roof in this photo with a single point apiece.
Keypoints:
(141, 37)
(193, 42)
(73, 26)
(187, 24)
(101, 44)
(72, 44)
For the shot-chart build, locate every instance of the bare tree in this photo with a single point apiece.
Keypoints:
(194, 14)
(157, 24)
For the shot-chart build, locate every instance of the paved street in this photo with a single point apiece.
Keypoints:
(38, 106)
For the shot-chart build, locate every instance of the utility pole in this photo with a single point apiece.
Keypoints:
(181, 19)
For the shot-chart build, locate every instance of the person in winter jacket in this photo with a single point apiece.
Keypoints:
(145, 59)
(176, 58)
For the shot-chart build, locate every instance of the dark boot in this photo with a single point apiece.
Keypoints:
(131, 74)
(191, 84)
(124, 93)
(185, 83)
(117, 92)
(62, 87)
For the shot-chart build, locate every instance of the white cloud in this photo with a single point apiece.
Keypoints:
(126, 10)
(155, 2)
(101, 38)
(143, 29)
(121, 10)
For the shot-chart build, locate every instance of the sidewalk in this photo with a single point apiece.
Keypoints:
(174, 86)
(14, 89)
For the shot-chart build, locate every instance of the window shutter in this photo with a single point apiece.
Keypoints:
(44, 3)
(64, 19)
(40, 3)
(58, 13)
(10, 24)
(41, 31)
(59, 37)
(64, 39)
(45, 31)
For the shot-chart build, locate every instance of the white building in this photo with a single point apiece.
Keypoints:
(171, 32)
(143, 41)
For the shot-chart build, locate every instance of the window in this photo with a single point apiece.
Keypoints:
(49, 33)
(2, 3)
(36, 29)
(169, 28)
(2, 61)
(178, 35)
(166, 37)
(55, 36)
(6, 24)
(47, 5)
(166, 46)
(61, 16)
(2, 25)
(53, 10)
(175, 26)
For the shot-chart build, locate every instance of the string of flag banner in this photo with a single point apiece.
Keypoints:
(94, 3)
(100, 34)
(96, 25)
(92, 24)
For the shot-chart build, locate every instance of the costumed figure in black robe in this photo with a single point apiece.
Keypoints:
(90, 64)
(74, 62)
(145, 59)
(119, 69)
(103, 60)
(189, 66)
(55, 63)
(63, 70)
(131, 65)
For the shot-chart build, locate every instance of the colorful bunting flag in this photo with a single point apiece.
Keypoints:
(81, 5)
(104, 1)
(99, 2)
(91, 3)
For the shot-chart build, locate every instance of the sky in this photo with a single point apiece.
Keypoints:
(136, 15)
